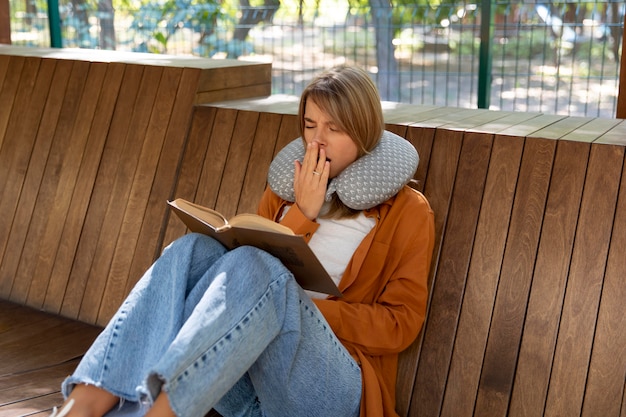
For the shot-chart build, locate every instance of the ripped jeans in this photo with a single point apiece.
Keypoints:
(231, 331)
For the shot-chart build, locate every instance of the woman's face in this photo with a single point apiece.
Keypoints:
(340, 149)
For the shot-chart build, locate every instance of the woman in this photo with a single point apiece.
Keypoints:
(206, 328)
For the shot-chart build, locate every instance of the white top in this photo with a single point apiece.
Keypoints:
(335, 241)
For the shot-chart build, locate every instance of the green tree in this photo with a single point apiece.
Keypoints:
(158, 21)
(106, 12)
(388, 75)
(253, 15)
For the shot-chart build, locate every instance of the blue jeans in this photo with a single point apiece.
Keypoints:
(226, 330)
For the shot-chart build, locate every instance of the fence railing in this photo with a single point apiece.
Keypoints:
(549, 57)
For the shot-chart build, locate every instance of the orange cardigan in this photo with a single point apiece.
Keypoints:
(384, 289)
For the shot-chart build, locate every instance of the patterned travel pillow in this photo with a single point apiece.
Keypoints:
(367, 182)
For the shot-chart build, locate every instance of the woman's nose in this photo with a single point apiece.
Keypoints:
(320, 138)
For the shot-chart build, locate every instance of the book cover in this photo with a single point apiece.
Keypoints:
(257, 231)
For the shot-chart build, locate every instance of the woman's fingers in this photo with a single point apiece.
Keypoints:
(310, 180)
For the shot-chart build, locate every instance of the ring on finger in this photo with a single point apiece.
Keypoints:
(317, 173)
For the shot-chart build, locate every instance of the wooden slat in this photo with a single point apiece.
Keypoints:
(516, 275)
(615, 136)
(229, 82)
(590, 132)
(422, 140)
(550, 277)
(118, 201)
(584, 286)
(607, 371)
(32, 407)
(441, 116)
(276, 103)
(4, 66)
(77, 211)
(103, 190)
(529, 127)
(12, 150)
(234, 93)
(238, 160)
(563, 127)
(7, 93)
(404, 114)
(35, 177)
(478, 119)
(139, 189)
(72, 161)
(438, 185)
(19, 323)
(24, 155)
(34, 340)
(153, 228)
(262, 152)
(46, 348)
(483, 276)
(35, 383)
(38, 350)
(217, 154)
(399, 130)
(289, 130)
(191, 166)
(508, 121)
(60, 169)
(459, 226)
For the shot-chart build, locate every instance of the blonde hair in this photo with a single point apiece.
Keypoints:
(350, 97)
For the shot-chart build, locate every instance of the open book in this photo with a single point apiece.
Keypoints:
(257, 231)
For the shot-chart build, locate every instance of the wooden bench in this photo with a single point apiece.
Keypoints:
(526, 312)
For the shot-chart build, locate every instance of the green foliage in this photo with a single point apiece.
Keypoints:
(156, 22)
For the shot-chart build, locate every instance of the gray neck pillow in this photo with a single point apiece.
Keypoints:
(367, 182)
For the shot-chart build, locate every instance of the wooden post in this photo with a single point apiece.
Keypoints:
(621, 95)
(5, 22)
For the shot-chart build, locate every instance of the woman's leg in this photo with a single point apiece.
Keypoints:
(317, 376)
(250, 316)
(147, 322)
(322, 380)
(205, 330)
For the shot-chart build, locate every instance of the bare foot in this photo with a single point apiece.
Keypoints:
(161, 407)
(89, 401)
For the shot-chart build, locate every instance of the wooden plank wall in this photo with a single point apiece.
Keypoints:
(526, 310)
(525, 315)
(89, 153)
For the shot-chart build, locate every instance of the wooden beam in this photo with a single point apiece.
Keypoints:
(621, 95)
(5, 22)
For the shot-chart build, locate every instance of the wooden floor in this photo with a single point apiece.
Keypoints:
(30, 383)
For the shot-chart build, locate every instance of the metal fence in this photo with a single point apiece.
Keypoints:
(558, 58)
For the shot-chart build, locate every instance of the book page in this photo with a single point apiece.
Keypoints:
(257, 231)
(205, 214)
(256, 222)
